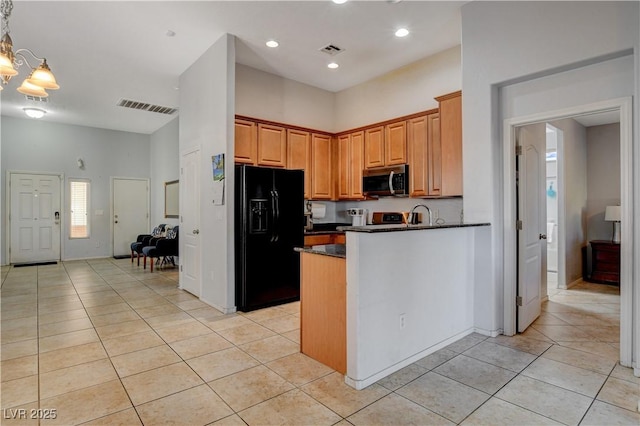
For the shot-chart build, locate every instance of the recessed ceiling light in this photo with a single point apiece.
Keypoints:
(34, 112)
(272, 43)
(332, 65)
(402, 32)
(170, 33)
(339, 1)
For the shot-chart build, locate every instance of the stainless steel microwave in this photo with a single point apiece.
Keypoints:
(386, 181)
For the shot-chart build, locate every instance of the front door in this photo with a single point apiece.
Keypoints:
(130, 213)
(35, 218)
(531, 215)
(190, 222)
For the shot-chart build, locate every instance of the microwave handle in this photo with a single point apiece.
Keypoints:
(391, 190)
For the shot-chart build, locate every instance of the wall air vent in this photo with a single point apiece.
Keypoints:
(143, 106)
(36, 98)
(332, 49)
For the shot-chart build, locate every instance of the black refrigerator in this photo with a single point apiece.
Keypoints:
(269, 223)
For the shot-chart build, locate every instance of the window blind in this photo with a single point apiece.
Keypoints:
(79, 209)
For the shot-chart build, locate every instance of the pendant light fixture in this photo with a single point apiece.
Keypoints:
(39, 79)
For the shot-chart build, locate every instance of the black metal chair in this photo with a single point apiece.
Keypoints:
(165, 248)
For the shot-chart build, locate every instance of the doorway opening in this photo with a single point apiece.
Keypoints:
(621, 107)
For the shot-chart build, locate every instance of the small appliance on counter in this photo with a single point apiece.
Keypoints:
(393, 218)
(358, 216)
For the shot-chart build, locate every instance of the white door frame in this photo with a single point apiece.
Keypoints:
(7, 222)
(111, 212)
(629, 297)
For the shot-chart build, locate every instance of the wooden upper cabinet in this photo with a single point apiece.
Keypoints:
(356, 165)
(374, 151)
(321, 172)
(435, 154)
(451, 143)
(350, 165)
(344, 166)
(418, 156)
(246, 142)
(396, 143)
(299, 155)
(272, 145)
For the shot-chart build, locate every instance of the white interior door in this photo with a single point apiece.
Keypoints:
(130, 213)
(35, 218)
(190, 279)
(531, 214)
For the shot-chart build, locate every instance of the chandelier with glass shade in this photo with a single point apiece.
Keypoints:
(39, 79)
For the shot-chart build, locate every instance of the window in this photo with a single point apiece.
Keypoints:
(79, 209)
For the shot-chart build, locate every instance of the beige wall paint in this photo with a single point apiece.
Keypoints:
(271, 97)
(401, 92)
(603, 178)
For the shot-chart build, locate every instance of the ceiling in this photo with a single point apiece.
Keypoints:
(102, 52)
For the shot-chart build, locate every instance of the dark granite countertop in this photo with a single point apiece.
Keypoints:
(334, 250)
(405, 227)
(326, 228)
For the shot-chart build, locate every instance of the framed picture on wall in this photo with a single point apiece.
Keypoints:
(171, 199)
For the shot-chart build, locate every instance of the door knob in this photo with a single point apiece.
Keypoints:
(116, 221)
(543, 236)
(196, 231)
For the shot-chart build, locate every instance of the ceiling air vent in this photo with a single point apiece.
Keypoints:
(332, 49)
(36, 98)
(143, 106)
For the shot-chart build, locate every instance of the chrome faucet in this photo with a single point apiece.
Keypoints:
(412, 219)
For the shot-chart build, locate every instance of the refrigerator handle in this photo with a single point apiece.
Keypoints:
(277, 221)
(273, 217)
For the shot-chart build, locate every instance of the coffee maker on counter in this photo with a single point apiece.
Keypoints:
(358, 216)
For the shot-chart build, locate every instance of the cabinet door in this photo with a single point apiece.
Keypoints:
(374, 147)
(344, 167)
(451, 139)
(246, 142)
(299, 155)
(272, 145)
(396, 143)
(321, 176)
(417, 130)
(356, 155)
(435, 154)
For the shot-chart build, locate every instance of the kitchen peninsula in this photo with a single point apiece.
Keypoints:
(397, 294)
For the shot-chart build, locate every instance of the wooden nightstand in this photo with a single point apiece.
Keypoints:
(605, 256)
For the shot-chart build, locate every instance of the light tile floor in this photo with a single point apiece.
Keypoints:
(105, 342)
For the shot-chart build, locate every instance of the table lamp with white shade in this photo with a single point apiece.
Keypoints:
(612, 214)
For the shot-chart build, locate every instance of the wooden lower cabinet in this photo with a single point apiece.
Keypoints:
(323, 309)
(605, 257)
(323, 239)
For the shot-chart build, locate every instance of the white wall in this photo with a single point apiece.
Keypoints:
(428, 277)
(522, 48)
(603, 179)
(575, 195)
(206, 121)
(274, 98)
(165, 167)
(405, 91)
(39, 146)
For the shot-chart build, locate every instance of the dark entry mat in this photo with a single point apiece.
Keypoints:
(20, 265)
